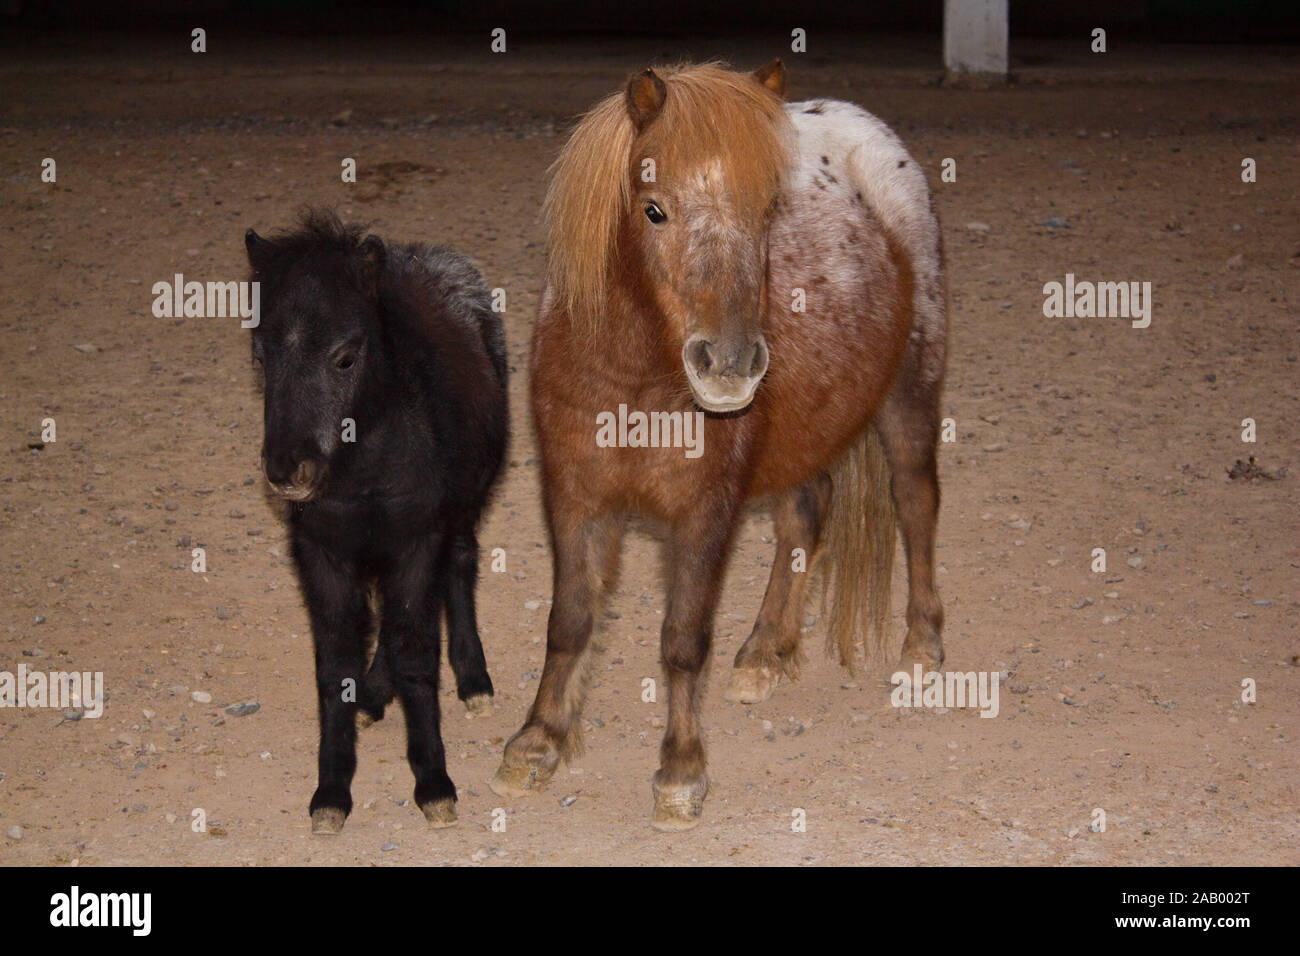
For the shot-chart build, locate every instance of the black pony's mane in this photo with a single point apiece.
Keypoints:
(319, 234)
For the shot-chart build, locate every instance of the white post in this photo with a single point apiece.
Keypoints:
(975, 36)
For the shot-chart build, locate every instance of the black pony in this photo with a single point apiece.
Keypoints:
(386, 422)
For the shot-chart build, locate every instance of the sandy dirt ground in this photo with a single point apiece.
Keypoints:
(1123, 690)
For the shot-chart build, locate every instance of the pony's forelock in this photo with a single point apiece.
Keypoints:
(709, 111)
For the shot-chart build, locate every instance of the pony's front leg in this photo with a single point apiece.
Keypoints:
(340, 621)
(772, 651)
(412, 605)
(697, 554)
(586, 555)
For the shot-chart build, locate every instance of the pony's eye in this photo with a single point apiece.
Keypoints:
(655, 214)
(345, 354)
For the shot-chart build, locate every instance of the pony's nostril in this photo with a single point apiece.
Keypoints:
(758, 365)
(699, 353)
(276, 469)
(712, 360)
(305, 474)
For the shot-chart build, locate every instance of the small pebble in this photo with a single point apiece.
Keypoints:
(14, 832)
(244, 709)
(201, 697)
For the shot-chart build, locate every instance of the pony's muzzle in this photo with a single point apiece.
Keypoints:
(299, 485)
(722, 378)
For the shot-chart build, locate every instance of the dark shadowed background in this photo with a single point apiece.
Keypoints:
(1204, 20)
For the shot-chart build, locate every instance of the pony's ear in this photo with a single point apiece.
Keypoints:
(371, 256)
(259, 250)
(645, 98)
(772, 76)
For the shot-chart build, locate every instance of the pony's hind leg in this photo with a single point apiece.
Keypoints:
(908, 427)
(377, 690)
(340, 621)
(464, 649)
(772, 650)
(585, 556)
(412, 604)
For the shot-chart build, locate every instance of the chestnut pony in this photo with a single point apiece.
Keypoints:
(778, 267)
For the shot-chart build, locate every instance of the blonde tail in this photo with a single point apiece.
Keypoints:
(858, 550)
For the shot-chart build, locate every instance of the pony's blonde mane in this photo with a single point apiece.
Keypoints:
(709, 112)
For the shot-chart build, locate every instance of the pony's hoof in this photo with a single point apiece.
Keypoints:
(752, 685)
(906, 669)
(327, 821)
(519, 780)
(480, 705)
(678, 807)
(440, 813)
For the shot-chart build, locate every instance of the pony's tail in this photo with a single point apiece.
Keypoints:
(858, 550)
